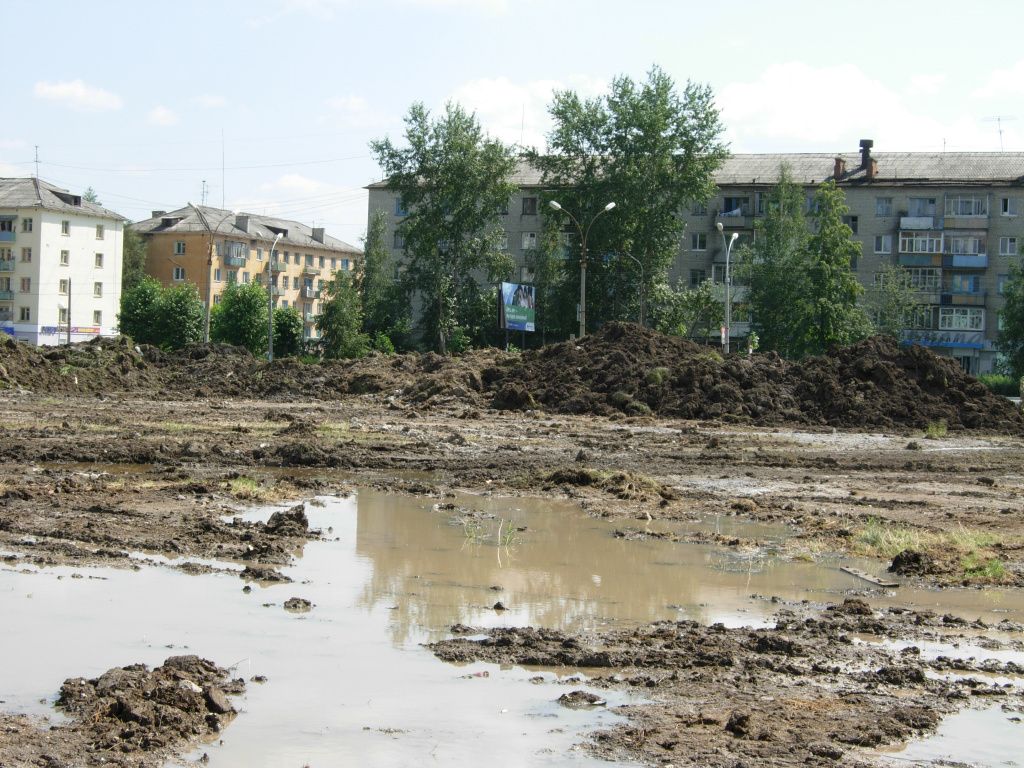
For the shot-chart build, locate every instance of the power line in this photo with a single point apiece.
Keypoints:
(185, 169)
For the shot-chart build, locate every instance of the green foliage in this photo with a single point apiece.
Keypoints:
(891, 301)
(340, 320)
(386, 307)
(936, 430)
(1010, 341)
(801, 288)
(241, 317)
(165, 317)
(1001, 384)
(650, 149)
(90, 196)
(133, 262)
(453, 180)
(287, 332)
(687, 312)
(381, 342)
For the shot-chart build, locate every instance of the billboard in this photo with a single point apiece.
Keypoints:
(516, 311)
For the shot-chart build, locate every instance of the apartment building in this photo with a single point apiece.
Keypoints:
(952, 219)
(60, 264)
(212, 248)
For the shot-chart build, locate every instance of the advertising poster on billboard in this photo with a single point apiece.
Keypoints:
(518, 304)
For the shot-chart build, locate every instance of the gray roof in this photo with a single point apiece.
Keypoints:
(30, 192)
(904, 168)
(222, 222)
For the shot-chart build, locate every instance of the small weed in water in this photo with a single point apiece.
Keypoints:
(936, 430)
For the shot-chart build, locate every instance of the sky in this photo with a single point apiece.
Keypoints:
(268, 106)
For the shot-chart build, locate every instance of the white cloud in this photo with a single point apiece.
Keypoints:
(210, 101)
(798, 107)
(928, 84)
(161, 115)
(517, 113)
(1003, 82)
(77, 95)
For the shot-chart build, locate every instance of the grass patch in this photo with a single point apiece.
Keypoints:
(982, 569)
(248, 489)
(936, 430)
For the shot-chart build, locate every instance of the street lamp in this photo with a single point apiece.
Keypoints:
(642, 285)
(270, 298)
(583, 257)
(728, 286)
(209, 264)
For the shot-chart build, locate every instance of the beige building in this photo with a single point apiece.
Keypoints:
(211, 248)
(952, 219)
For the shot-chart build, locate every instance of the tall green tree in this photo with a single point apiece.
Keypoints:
(687, 312)
(133, 260)
(647, 147)
(891, 300)
(288, 326)
(139, 311)
(453, 180)
(165, 317)
(385, 304)
(241, 317)
(340, 321)
(1010, 341)
(90, 196)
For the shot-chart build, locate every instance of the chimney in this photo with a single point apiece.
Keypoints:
(867, 162)
(157, 214)
(840, 168)
(242, 222)
(318, 234)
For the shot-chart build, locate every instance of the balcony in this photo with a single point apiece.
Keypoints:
(309, 292)
(309, 269)
(234, 261)
(920, 222)
(7, 237)
(920, 259)
(738, 293)
(6, 295)
(7, 265)
(6, 315)
(966, 299)
(276, 265)
(309, 317)
(275, 291)
(966, 222)
(965, 260)
(738, 218)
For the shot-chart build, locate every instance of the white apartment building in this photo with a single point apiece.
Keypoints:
(60, 264)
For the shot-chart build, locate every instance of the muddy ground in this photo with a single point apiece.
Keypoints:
(128, 451)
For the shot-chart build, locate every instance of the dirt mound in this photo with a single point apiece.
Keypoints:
(129, 716)
(99, 365)
(625, 369)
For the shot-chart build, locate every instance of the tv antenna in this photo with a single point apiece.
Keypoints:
(998, 120)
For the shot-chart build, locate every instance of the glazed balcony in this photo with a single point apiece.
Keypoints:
(964, 299)
(309, 293)
(234, 261)
(6, 315)
(6, 295)
(7, 265)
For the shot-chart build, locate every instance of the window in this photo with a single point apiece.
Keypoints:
(245, 278)
(26, 285)
(400, 209)
(98, 261)
(179, 273)
(24, 314)
(529, 206)
(698, 241)
(1001, 282)
(883, 206)
(284, 303)
(334, 264)
(26, 225)
(502, 209)
(65, 258)
(961, 319)
(26, 255)
(259, 254)
(736, 206)
(966, 245)
(65, 228)
(699, 209)
(503, 242)
(97, 290)
(925, 279)
(966, 205)
(697, 276)
(529, 240)
(853, 222)
(232, 275)
(345, 265)
(216, 299)
(63, 286)
(99, 232)
(6, 254)
(1007, 246)
(399, 240)
(295, 282)
(309, 260)
(216, 275)
(179, 248)
(97, 317)
(883, 243)
(62, 315)
(921, 206)
(920, 242)
(322, 262)
(1007, 207)
(964, 283)
(6, 225)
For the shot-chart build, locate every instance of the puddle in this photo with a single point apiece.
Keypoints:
(957, 741)
(348, 682)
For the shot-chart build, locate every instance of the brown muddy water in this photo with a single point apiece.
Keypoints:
(348, 683)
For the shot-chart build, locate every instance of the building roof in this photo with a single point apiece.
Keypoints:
(201, 218)
(904, 168)
(31, 192)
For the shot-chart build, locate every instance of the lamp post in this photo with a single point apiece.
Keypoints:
(642, 285)
(728, 286)
(209, 264)
(583, 257)
(270, 298)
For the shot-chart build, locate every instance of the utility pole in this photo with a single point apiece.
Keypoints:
(69, 311)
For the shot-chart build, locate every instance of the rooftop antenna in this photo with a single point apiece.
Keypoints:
(998, 120)
(203, 195)
(37, 163)
(522, 125)
(222, 167)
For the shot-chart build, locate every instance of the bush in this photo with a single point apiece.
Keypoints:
(382, 343)
(1000, 384)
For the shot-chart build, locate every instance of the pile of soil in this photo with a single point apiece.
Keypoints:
(128, 716)
(97, 366)
(625, 369)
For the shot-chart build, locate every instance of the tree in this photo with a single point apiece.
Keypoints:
(287, 332)
(385, 305)
(139, 311)
(453, 180)
(241, 317)
(133, 260)
(90, 196)
(1010, 341)
(649, 149)
(688, 312)
(165, 317)
(340, 320)
(891, 301)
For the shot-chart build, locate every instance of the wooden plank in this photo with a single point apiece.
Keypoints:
(868, 577)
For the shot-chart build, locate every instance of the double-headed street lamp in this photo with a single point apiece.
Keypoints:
(583, 257)
(270, 297)
(728, 286)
